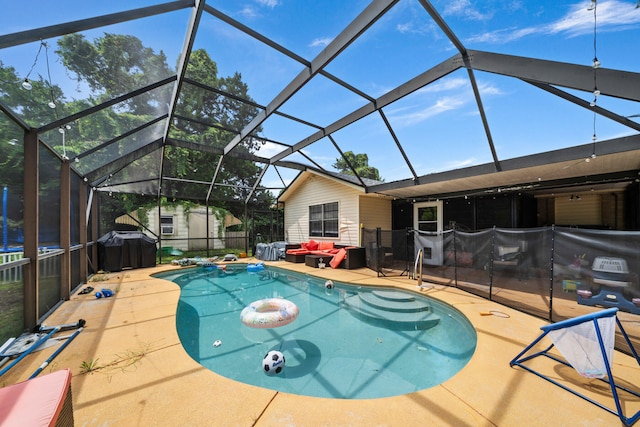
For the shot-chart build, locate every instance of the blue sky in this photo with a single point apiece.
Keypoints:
(438, 126)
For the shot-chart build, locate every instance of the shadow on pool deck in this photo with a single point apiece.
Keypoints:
(143, 377)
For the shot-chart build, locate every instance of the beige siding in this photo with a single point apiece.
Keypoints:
(583, 211)
(613, 210)
(183, 229)
(375, 212)
(198, 230)
(316, 190)
(180, 229)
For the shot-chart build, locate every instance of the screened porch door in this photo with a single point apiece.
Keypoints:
(427, 216)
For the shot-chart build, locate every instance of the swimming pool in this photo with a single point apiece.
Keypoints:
(349, 342)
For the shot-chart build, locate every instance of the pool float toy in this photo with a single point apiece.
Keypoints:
(208, 262)
(215, 267)
(255, 267)
(269, 313)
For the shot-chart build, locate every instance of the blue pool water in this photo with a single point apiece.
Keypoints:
(349, 342)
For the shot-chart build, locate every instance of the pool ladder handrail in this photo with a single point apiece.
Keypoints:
(417, 268)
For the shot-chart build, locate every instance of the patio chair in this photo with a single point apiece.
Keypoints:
(586, 342)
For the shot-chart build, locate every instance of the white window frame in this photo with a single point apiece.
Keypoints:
(438, 222)
(324, 221)
(165, 228)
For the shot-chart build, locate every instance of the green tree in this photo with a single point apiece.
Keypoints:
(115, 64)
(226, 116)
(33, 108)
(360, 163)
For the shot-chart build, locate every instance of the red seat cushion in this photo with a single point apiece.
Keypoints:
(326, 253)
(298, 251)
(337, 259)
(35, 402)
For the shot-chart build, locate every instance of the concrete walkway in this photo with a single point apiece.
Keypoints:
(129, 369)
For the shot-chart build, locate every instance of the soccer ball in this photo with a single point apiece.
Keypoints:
(273, 363)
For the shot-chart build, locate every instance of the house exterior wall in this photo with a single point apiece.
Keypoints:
(178, 239)
(317, 190)
(613, 205)
(606, 210)
(197, 227)
(187, 234)
(375, 212)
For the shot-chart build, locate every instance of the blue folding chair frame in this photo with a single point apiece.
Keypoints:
(592, 317)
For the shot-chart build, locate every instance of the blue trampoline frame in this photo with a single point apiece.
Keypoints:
(593, 317)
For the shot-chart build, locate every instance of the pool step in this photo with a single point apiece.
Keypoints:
(394, 301)
(392, 309)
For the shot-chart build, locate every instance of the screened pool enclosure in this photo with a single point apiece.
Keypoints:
(108, 108)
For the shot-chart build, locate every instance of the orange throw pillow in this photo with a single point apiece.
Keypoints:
(312, 245)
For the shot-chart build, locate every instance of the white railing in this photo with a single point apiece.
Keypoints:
(49, 264)
(7, 257)
(12, 273)
(417, 268)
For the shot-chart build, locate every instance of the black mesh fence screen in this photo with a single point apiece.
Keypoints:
(11, 302)
(554, 273)
(49, 197)
(49, 283)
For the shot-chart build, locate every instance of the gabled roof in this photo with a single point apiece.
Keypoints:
(344, 179)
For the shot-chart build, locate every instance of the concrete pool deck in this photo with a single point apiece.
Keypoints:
(129, 369)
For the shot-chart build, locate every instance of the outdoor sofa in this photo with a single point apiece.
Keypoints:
(333, 255)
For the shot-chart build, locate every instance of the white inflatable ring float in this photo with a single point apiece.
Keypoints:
(269, 313)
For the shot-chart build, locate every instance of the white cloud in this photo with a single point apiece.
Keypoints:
(248, 12)
(268, 3)
(612, 15)
(489, 89)
(421, 28)
(322, 42)
(458, 164)
(464, 9)
(451, 83)
(460, 84)
(269, 150)
(458, 96)
(443, 104)
(405, 28)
